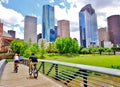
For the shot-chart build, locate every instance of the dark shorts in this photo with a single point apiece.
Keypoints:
(16, 61)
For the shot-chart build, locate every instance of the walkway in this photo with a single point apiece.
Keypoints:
(21, 79)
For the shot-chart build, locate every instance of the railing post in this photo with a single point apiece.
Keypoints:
(43, 68)
(56, 70)
(84, 77)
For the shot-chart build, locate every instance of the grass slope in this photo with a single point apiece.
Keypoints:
(110, 61)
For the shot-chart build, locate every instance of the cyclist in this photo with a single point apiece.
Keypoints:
(32, 61)
(16, 60)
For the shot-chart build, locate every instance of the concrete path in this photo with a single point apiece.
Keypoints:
(21, 79)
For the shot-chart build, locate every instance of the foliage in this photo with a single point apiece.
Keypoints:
(51, 48)
(67, 45)
(92, 49)
(42, 49)
(18, 46)
(85, 51)
(101, 49)
(27, 53)
(80, 49)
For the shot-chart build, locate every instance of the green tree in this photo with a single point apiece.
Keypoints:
(85, 51)
(42, 48)
(101, 49)
(18, 46)
(67, 45)
(114, 49)
(51, 48)
(108, 50)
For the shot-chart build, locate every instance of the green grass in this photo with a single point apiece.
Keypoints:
(110, 61)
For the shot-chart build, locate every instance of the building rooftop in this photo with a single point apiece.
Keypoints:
(88, 8)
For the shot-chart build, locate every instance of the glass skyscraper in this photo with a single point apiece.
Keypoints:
(48, 30)
(88, 27)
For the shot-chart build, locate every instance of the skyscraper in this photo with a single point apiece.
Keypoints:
(63, 28)
(48, 30)
(12, 33)
(102, 33)
(114, 29)
(30, 29)
(88, 27)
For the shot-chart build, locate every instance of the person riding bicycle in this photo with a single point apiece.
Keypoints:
(32, 61)
(16, 60)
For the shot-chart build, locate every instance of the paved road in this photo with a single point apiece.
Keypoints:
(21, 79)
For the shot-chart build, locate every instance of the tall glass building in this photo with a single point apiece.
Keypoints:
(48, 30)
(88, 27)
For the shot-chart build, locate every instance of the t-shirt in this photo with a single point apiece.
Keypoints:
(33, 59)
(16, 58)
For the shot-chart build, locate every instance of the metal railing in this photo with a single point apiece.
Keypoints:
(77, 75)
(2, 65)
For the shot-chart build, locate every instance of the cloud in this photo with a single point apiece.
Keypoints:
(11, 20)
(51, 1)
(4, 1)
(39, 28)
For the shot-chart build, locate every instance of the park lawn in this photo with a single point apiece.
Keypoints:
(109, 61)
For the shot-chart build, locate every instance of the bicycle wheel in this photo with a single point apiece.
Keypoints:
(35, 74)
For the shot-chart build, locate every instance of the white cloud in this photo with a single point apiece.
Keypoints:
(39, 28)
(51, 1)
(11, 19)
(4, 1)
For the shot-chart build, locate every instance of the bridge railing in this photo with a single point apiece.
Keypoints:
(78, 75)
(2, 65)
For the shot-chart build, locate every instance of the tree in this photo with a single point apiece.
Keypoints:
(85, 51)
(42, 48)
(108, 50)
(67, 45)
(101, 49)
(114, 49)
(51, 48)
(18, 46)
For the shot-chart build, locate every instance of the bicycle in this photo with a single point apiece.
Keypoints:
(33, 71)
(16, 68)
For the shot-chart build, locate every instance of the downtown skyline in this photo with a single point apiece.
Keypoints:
(12, 15)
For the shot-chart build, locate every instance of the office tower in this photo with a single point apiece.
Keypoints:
(48, 23)
(114, 29)
(102, 34)
(56, 28)
(63, 28)
(88, 27)
(39, 36)
(30, 29)
(12, 33)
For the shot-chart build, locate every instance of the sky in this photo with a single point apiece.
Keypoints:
(12, 13)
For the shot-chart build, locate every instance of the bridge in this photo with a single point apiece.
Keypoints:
(59, 74)
(21, 79)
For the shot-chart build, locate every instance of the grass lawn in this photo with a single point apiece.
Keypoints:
(110, 61)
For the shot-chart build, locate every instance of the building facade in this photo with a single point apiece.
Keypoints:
(102, 34)
(1, 33)
(114, 29)
(12, 33)
(63, 28)
(30, 29)
(88, 27)
(5, 39)
(48, 30)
